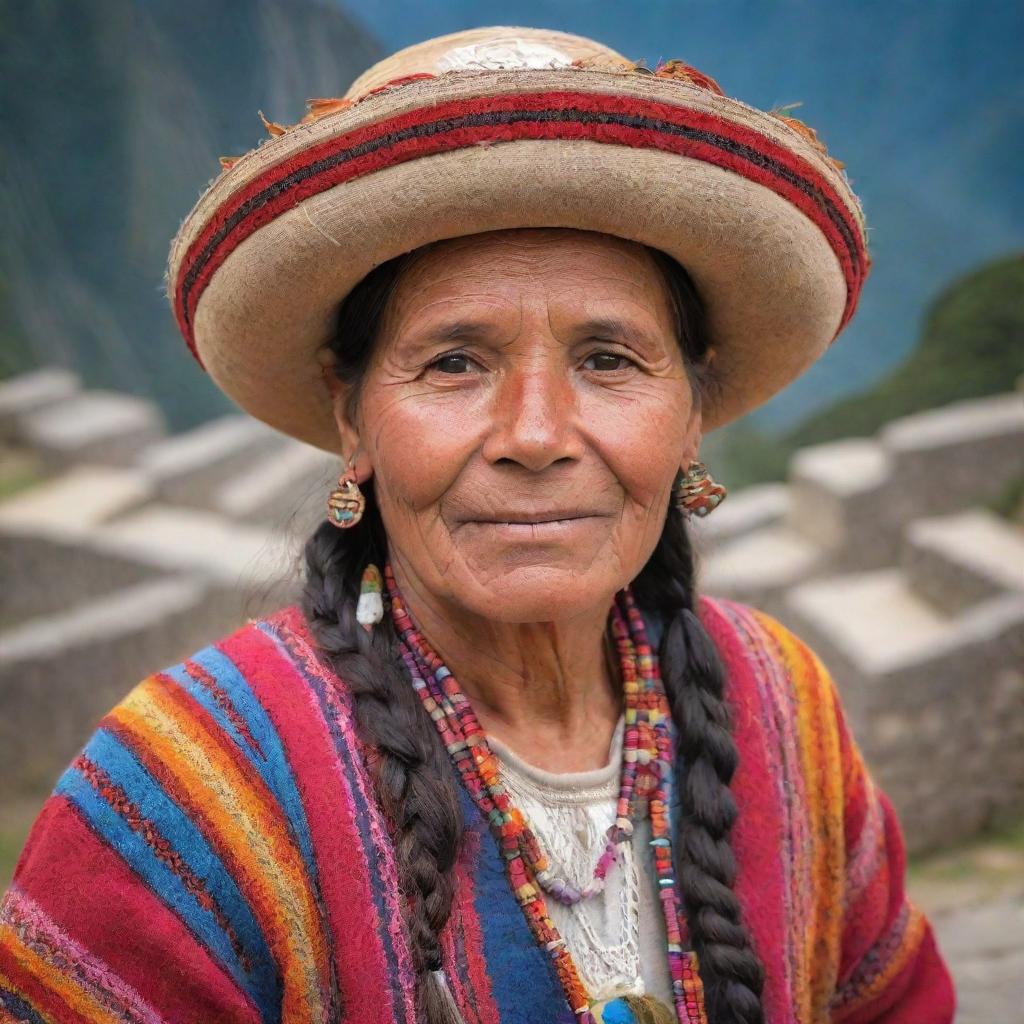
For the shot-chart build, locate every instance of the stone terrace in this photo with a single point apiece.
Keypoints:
(130, 551)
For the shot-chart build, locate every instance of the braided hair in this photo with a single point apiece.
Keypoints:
(415, 783)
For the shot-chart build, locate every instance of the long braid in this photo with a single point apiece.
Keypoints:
(412, 775)
(706, 759)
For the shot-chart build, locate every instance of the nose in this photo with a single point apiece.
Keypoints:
(535, 417)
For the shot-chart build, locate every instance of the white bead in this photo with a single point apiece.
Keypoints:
(370, 609)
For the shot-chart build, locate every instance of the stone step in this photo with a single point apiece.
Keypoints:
(288, 486)
(188, 468)
(956, 561)
(872, 619)
(176, 538)
(960, 456)
(758, 567)
(844, 499)
(45, 530)
(75, 502)
(30, 392)
(61, 672)
(745, 511)
(45, 574)
(93, 426)
(923, 688)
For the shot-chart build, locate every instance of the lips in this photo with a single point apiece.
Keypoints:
(532, 518)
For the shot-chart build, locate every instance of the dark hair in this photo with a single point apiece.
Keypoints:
(414, 779)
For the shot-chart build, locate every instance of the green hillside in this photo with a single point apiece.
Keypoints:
(114, 114)
(972, 345)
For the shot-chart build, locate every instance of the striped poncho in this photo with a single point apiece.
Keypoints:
(215, 854)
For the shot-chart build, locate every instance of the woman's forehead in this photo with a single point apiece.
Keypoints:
(533, 245)
(548, 259)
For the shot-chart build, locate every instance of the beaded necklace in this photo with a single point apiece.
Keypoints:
(647, 760)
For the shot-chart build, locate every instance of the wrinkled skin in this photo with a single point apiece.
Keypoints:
(524, 415)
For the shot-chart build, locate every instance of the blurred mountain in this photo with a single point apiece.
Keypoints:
(114, 113)
(972, 345)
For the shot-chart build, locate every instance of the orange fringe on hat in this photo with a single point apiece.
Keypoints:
(674, 69)
(323, 106)
(683, 72)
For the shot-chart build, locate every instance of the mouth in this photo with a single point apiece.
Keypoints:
(532, 518)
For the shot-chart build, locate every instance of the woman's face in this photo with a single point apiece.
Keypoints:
(524, 414)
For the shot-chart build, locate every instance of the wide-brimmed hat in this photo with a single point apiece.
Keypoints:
(506, 128)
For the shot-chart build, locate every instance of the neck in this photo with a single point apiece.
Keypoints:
(549, 690)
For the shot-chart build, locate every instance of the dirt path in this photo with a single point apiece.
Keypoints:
(975, 898)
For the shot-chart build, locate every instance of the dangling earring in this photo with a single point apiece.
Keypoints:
(696, 494)
(370, 609)
(346, 503)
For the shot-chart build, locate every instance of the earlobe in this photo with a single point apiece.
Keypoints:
(352, 451)
(362, 466)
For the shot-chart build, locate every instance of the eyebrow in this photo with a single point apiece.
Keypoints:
(459, 329)
(605, 326)
(602, 327)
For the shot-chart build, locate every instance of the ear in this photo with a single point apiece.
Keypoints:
(694, 436)
(348, 429)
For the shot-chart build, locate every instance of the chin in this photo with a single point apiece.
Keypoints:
(539, 593)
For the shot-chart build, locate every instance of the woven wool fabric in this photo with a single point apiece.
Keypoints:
(215, 854)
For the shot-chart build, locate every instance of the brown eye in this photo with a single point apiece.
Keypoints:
(606, 361)
(455, 362)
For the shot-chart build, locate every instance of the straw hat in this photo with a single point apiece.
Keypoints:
(515, 127)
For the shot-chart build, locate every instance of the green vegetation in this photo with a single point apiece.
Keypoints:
(977, 871)
(972, 344)
(19, 470)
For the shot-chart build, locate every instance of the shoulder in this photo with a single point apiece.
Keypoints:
(221, 695)
(204, 754)
(206, 735)
(783, 698)
(183, 824)
(758, 650)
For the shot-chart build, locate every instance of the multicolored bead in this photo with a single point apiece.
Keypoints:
(370, 608)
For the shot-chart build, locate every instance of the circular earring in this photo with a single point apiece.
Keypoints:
(696, 493)
(346, 503)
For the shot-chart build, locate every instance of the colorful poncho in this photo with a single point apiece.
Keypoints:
(215, 854)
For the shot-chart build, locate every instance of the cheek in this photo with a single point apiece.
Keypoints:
(417, 446)
(643, 443)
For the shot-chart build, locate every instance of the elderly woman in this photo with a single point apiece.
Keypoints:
(500, 764)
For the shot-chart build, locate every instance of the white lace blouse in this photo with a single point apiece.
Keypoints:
(616, 938)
